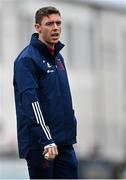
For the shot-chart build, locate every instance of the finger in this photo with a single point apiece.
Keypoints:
(50, 153)
(53, 152)
(56, 151)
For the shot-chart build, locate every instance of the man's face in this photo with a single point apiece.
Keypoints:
(49, 30)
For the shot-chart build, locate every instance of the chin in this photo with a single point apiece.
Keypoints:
(54, 42)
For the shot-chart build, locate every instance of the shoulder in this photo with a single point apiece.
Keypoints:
(23, 55)
(26, 56)
(23, 63)
(30, 58)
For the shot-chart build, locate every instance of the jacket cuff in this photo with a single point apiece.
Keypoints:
(50, 145)
(43, 144)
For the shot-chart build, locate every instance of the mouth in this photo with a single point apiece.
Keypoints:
(55, 35)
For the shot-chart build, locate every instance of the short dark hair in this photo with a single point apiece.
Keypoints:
(45, 11)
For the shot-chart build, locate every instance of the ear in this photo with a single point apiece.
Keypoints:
(37, 27)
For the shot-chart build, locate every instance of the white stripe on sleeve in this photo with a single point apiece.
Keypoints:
(43, 122)
(40, 119)
(35, 112)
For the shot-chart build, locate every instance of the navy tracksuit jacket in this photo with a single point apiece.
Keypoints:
(43, 100)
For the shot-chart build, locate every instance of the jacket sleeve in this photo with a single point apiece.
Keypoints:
(27, 86)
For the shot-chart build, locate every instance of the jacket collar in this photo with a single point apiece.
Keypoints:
(43, 48)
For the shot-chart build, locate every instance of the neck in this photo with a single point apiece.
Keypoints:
(49, 45)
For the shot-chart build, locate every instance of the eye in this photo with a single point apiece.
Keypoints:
(49, 23)
(58, 23)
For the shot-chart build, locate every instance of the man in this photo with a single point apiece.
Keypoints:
(46, 124)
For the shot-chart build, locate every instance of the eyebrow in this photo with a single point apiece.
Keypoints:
(52, 22)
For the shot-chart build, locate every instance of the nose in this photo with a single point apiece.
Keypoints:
(55, 26)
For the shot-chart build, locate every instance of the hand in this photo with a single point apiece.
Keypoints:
(52, 152)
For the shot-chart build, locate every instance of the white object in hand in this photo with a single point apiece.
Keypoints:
(46, 156)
